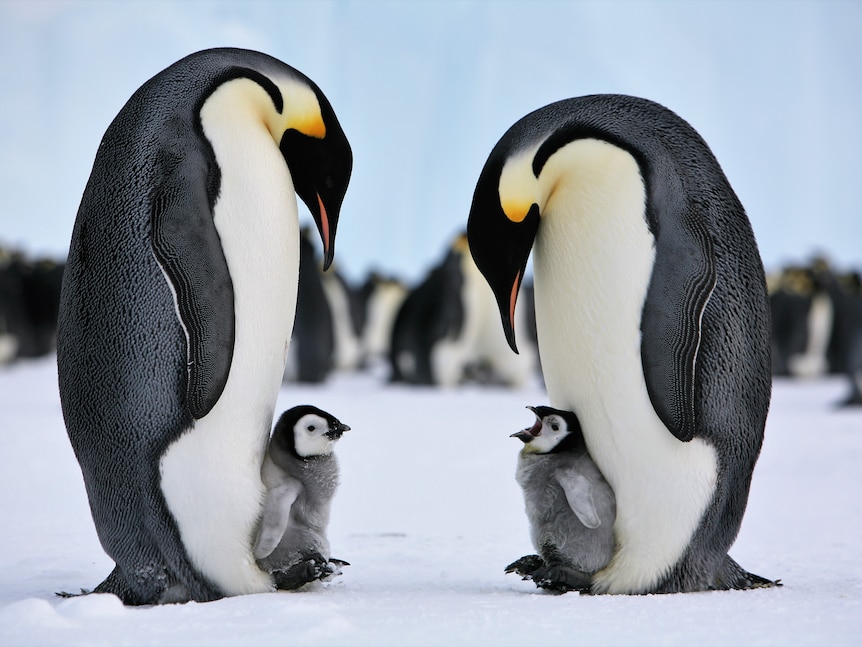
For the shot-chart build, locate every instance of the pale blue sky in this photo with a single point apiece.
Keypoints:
(425, 89)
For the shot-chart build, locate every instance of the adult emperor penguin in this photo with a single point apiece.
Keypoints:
(652, 318)
(177, 306)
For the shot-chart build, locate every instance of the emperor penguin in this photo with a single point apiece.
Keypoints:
(381, 300)
(177, 306)
(432, 312)
(441, 333)
(29, 298)
(569, 504)
(791, 300)
(803, 304)
(300, 472)
(652, 319)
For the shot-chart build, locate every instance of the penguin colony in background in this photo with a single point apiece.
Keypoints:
(812, 297)
(817, 324)
(445, 330)
(29, 302)
(177, 308)
(187, 276)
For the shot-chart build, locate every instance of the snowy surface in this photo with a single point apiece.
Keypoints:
(429, 514)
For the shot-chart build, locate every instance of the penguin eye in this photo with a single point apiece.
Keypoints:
(555, 426)
(328, 182)
(310, 427)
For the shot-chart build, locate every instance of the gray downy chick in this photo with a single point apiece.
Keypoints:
(569, 504)
(300, 473)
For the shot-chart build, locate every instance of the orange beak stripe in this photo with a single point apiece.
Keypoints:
(513, 297)
(324, 225)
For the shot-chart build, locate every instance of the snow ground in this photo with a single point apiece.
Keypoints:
(429, 514)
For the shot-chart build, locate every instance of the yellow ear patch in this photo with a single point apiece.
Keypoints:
(516, 210)
(519, 188)
(310, 124)
(301, 109)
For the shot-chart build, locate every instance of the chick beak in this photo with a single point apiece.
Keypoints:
(527, 435)
(337, 430)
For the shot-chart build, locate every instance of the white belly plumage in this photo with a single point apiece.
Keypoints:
(211, 475)
(592, 265)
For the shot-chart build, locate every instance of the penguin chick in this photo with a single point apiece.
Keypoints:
(301, 475)
(569, 504)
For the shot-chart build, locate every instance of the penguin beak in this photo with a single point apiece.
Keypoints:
(527, 435)
(335, 431)
(326, 218)
(501, 248)
(327, 232)
(321, 170)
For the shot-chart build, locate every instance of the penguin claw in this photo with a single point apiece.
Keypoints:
(332, 569)
(525, 566)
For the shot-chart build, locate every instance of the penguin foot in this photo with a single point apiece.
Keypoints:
(314, 567)
(733, 576)
(553, 577)
(526, 566)
(175, 594)
(558, 578)
(299, 574)
(155, 586)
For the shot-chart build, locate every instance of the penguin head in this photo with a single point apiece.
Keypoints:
(320, 161)
(555, 430)
(306, 431)
(530, 164)
(502, 227)
(303, 125)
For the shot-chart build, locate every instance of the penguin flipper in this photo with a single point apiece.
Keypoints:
(579, 493)
(188, 249)
(276, 515)
(683, 278)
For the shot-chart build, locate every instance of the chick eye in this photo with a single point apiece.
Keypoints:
(555, 427)
(310, 427)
